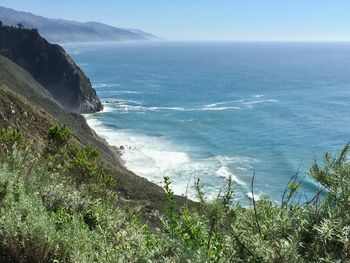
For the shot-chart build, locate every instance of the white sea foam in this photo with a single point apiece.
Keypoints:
(252, 102)
(237, 104)
(132, 105)
(107, 108)
(219, 108)
(104, 85)
(127, 92)
(224, 171)
(257, 197)
(238, 162)
(155, 157)
(213, 105)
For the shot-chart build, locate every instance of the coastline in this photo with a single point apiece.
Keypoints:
(152, 158)
(120, 149)
(115, 150)
(185, 194)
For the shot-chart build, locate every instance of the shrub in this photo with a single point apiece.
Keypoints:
(60, 134)
(317, 231)
(10, 138)
(44, 217)
(85, 166)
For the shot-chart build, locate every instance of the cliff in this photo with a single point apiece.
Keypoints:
(52, 67)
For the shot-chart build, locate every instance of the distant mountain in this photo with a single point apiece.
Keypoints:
(142, 33)
(65, 31)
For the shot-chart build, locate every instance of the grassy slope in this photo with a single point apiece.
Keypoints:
(35, 111)
(58, 209)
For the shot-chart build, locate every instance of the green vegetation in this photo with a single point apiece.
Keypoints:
(60, 134)
(61, 206)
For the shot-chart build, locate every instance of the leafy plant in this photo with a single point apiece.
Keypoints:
(10, 137)
(60, 134)
(62, 207)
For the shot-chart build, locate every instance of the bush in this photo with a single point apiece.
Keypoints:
(317, 231)
(10, 138)
(83, 165)
(44, 217)
(60, 134)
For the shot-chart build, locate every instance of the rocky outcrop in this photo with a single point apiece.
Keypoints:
(52, 67)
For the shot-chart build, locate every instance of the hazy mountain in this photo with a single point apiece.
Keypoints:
(142, 33)
(63, 31)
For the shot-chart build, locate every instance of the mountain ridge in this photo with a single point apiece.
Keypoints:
(59, 30)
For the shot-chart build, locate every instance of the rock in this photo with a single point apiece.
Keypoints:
(52, 67)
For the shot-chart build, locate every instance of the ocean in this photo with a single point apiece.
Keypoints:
(214, 110)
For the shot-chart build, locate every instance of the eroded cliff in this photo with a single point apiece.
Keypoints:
(52, 67)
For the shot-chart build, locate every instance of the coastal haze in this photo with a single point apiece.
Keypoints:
(63, 31)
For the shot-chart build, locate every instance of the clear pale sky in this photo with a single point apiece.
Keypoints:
(280, 20)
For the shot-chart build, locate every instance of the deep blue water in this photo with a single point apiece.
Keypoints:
(211, 110)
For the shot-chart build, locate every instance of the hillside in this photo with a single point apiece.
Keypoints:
(52, 67)
(33, 111)
(64, 31)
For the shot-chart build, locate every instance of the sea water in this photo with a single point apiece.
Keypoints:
(218, 110)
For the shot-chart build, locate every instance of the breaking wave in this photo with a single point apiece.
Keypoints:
(130, 105)
(155, 157)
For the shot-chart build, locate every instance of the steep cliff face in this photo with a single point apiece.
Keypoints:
(52, 67)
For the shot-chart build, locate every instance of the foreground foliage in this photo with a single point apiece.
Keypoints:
(60, 206)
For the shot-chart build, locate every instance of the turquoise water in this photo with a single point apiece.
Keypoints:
(214, 110)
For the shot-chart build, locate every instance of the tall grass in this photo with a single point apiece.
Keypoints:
(60, 206)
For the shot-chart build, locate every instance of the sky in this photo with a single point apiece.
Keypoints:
(212, 20)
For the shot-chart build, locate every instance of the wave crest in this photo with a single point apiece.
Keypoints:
(155, 157)
(130, 105)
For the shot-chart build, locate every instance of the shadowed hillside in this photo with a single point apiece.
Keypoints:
(51, 66)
